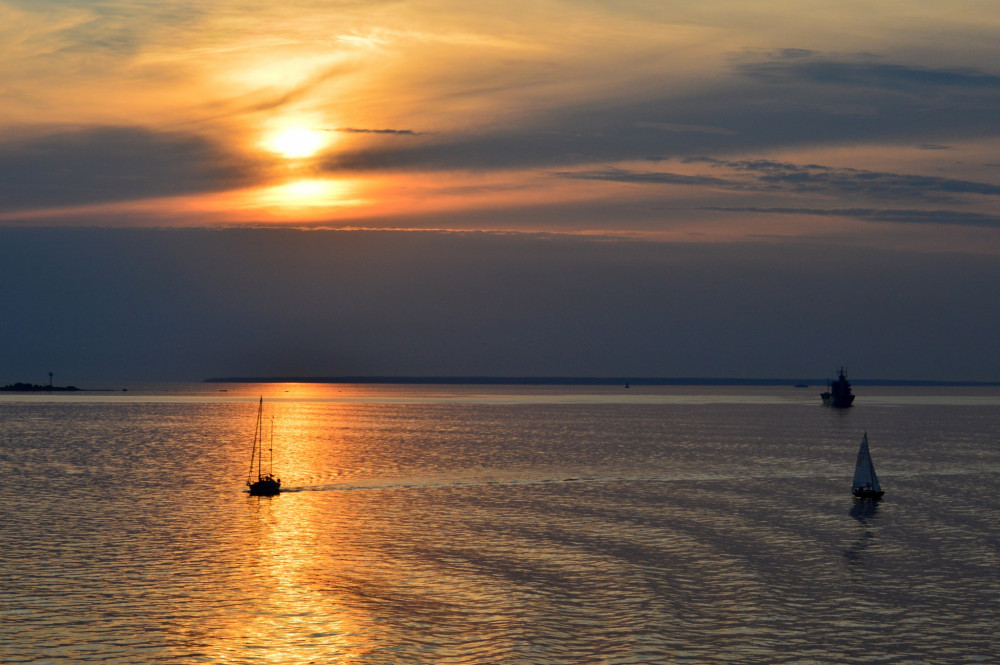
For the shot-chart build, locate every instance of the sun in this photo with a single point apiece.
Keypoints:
(296, 142)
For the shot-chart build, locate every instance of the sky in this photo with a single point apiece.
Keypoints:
(644, 189)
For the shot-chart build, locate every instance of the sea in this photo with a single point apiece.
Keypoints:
(461, 524)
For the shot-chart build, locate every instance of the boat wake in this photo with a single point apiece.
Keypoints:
(424, 483)
(434, 484)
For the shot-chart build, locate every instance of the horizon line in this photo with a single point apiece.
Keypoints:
(592, 381)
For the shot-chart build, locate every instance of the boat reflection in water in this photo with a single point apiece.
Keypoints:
(866, 513)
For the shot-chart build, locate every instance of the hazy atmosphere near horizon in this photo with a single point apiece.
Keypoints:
(641, 189)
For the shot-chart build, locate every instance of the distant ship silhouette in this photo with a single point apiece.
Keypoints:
(839, 395)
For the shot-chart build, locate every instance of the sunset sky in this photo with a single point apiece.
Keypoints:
(191, 189)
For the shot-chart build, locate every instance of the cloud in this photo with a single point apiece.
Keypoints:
(678, 127)
(647, 177)
(98, 164)
(551, 141)
(397, 132)
(485, 151)
(814, 182)
(763, 175)
(295, 94)
(812, 178)
(90, 37)
(785, 100)
(904, 216)
(859, 96)
(803, 65)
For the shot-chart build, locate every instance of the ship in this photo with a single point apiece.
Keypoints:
(839, 394)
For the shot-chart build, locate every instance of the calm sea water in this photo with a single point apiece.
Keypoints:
(499, 525)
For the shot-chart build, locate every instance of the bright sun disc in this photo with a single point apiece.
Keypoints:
(297, 143)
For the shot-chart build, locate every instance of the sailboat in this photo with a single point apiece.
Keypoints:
(866, 484)
(266, 484)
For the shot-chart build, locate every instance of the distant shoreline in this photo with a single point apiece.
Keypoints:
(35, 388)
(591, 381)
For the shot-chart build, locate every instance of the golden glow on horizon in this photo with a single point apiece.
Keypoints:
(306, 192)
(300, 199)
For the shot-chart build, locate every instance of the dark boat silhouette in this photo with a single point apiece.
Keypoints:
(866, 485)
(266, 484)
(839, 396)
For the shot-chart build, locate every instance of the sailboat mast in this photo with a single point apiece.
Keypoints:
(256, 435)
(260, 411)
(270, 463)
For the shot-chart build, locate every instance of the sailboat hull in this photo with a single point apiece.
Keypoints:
(863, 493)
(265, 487)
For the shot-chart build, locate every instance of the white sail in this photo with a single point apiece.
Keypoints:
(864, 470)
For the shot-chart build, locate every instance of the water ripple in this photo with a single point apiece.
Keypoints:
(460, 532)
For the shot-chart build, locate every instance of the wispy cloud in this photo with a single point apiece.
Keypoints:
(681, 127)
(397, 132)
(904, 216)
(265, 100)
(851, 71)
(768, 174)
(647, 177)
(762, 103)
(763, 175)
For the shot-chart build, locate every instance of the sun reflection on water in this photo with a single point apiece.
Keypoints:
(295, 613)
(295, 605)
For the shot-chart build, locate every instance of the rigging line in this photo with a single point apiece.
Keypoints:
(256, 432)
